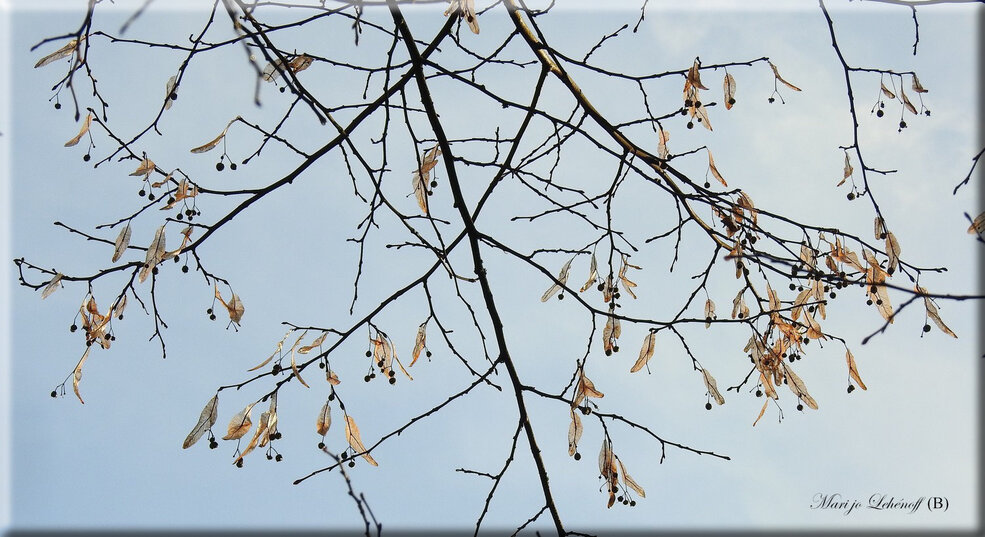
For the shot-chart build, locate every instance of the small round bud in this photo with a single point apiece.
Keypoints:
(184, 269)
(393, 380)
(851, 388)
(219, 166)
(759, 393)
(321, 445)
(879, 113)
(54, 393)
(232, 166)
(151, 196)
(926, 328)
(278, 458)
(86, 157)
(73, 328)
(707, 406)
(800, 407)
(770, 100)
(142, 193)
(577, 455)
(368, 354)
(690, 124)
(352, 464)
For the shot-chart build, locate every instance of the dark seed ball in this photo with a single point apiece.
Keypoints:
(560, 296)
(619, 499)
(278, 458)
(879, 113)
(73, 328)
(219, 166)
(321, 445)
(800, 407)
(902, 124)
(58, 106)
(851, 196)
(209, 311)
(882, 235)
(179, 216)
(184, 269)
(577, 455)
(270, 457)
(608, 352)
(600, 287)
(142, 193)
(730, 102)
(926, 113)
(770, 100)
(707, 184)
(633, 502)
(697, 103)
(345, 455)
(54, 393)
(926, 328)
(690, 124)
(275, 369)
(154, 271)
(615, 348)
(212, 317)
(427, 353)
(86, 157)
(851, 388)
(368, 354)
(239, 463)
(232, 166)
(366, 378)
(213, 444)
(868, 302)
(352, 464)
(759, 393)
(434, 184)
(331, 396)
(393, 380)
(832, 295)
(321, 365)
(792, 287)
(707, 406)
(151, 196)
(282, 90)
(174, 96)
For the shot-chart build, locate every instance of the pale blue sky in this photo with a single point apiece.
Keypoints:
(116, 461)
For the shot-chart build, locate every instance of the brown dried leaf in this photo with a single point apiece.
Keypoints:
(262, 427)
(294, 367)
(592, 275)
(646, 352)
(205, 422)
(739, 308)
(314, 344)
(932, 312)
(729, 87)
(122, 242)
(906, 102)
(85, 129)
(332, 378)
(853, 370)
(917, 87)
(420, 342)
(467, 10)
(324, 419)
(714, 170)
(977, 225)
(77, 374)
(169, 91)
(879, 227)
(780, 78)
(761, 412)
(694, 77)
(352, 435)
(712, 387)
(145, 168)
(52, 286)
(629, 482)
(63, 52)
(848, 170)
(709, 312)
(892, 251)
(662, 138)
(562, 277)
(797, 386)
(886, 92)
(574, 433)
(155, 253)
(240, 424)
